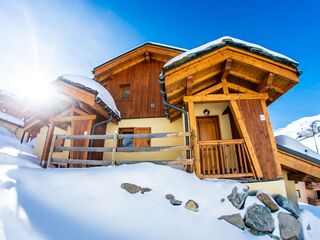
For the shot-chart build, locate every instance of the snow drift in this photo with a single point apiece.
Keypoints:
(38, 203)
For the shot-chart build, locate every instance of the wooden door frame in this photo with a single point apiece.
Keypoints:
(208, 117)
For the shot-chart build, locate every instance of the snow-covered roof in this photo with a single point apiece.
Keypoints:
(11, 119)
(294, 147)
(10, 95)
(230, 41)
(102, 94)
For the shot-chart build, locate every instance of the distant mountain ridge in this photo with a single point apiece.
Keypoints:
(301, 129)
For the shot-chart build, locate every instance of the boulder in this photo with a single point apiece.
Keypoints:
(145, 189)
(234, 219)
(238, 199)
(170, 196)
(222, 200)
(268, 201)
(259, 219)
(131, 188)
(287, 205)
(173, 200)
(252, 193)
(192, 206)
(289, 227)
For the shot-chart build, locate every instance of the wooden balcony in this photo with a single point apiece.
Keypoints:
(225, 159)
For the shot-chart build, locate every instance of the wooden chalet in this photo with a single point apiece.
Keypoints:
(11, 112)
(205, 108)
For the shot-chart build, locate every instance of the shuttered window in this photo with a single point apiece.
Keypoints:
(137, 142)
(142, 142)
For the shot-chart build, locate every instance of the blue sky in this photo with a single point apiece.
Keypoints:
(44, 39)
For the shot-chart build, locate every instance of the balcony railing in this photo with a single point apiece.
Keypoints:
(225, 159)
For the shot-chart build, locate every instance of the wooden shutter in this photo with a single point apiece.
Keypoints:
(142, 142)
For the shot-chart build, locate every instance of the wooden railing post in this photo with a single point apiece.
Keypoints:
(115, 145)
(53, 143)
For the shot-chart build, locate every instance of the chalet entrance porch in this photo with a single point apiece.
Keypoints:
(223, 154)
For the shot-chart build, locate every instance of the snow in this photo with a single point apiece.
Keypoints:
(10, 95)
(38, 203)
(86, 82)
(295, 145)
(221, 41)
(301, 125)
(11, 119)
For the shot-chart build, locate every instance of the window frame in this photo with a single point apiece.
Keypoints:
(124, 87)
(136, 141)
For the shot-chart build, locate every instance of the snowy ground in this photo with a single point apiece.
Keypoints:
(38, 203)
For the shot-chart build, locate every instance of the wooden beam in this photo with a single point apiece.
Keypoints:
(177, 91)
(189, 85)
(147, 55)
(209, 90)
(264, 64)
(203, 86)
(204, 77)
(227, 69)
(271, 136)
(225, 97)
(76, 93)
(277, 89)
(299, 177)
(194, 139)
(244, 77)
(244, 132)
(266, 83)
(73, 118)
(298, 164)
(239, 88)
(225, 86)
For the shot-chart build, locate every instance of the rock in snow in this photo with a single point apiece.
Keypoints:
(238, 199)
(234, 219)
(268, 201)
(287, 205)
(192, 206)
(173, 200)
(259, 219)
(290, 227)
(131, 188)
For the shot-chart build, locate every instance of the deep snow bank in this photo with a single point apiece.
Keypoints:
(38, 203)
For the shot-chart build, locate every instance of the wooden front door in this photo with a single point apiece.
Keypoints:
(208, 130)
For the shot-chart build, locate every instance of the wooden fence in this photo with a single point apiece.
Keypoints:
(114, 149)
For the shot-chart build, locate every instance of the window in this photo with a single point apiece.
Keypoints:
(137, 142)
(125, 91)
(126, 142)
(318, 194)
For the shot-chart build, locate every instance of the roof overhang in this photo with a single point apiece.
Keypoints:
(244, 71)
(144, 52)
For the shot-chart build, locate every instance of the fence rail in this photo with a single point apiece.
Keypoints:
(225, 158)
(115, 149)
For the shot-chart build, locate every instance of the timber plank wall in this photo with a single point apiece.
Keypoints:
(144, 90)
(259, 135)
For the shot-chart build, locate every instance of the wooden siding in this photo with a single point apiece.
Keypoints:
(144, 87)
(259, 135)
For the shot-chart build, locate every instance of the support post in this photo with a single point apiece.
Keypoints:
(53, 143)
(115, 144)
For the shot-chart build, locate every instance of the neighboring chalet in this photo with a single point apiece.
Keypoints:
(214, 96)
(11, 112)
